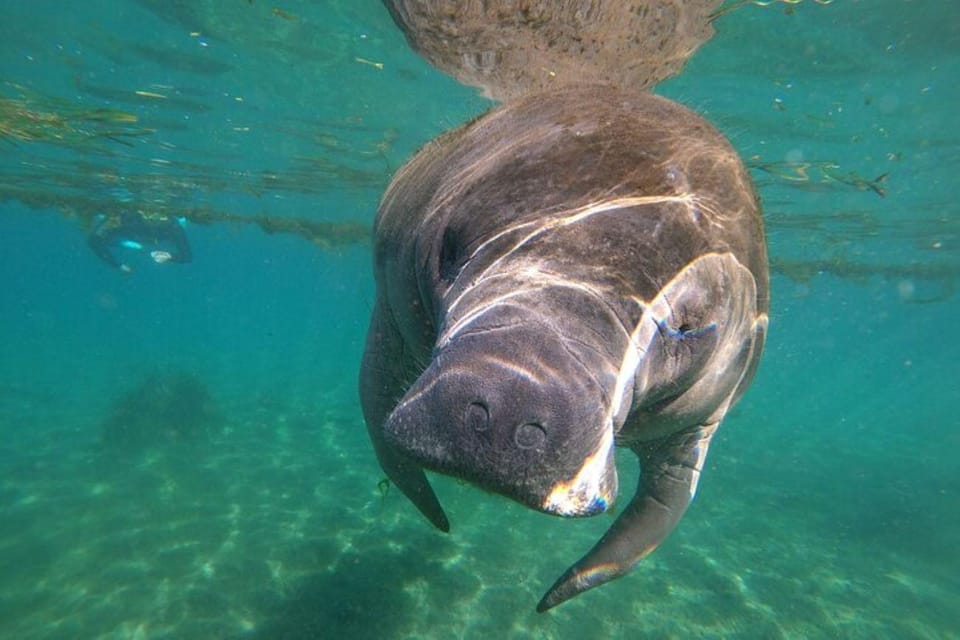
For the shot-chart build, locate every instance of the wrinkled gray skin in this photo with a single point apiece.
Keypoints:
(574, 269)
(510, 48)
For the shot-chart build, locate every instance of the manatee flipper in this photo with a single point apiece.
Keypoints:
(381, 383)
(669, 470)
(412, 482)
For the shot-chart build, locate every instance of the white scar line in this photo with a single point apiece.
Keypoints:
(537, 280)
(585, 212)
(576, 216)
(620, 203)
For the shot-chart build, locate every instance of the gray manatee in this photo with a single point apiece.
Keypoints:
(579, 268)
(511, 48)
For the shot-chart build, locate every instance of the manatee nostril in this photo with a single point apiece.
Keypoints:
(477, 416)
(530, 435)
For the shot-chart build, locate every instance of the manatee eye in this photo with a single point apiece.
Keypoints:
(451, 257)
(530, 435)
(685, 330)
(476, 417)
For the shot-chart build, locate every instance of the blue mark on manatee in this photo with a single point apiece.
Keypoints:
(683, 332)
(597, 505)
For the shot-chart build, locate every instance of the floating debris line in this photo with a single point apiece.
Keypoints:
(30, 117)
(82, 189)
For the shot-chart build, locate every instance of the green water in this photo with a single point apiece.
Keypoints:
(830, 505)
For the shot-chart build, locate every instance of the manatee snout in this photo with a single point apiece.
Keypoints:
(506, 423)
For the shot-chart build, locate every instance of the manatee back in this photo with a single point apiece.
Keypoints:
(664, 187)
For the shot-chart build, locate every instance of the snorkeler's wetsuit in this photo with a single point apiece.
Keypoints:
(158, 236)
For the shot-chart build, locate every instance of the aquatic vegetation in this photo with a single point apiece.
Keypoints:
(286, 15)
(383, 487)
(326, 235)
(172, 97)
(83, 192)
(940, 275)
(31, 117)
(814, 173)
(73, 191)
(164, 409)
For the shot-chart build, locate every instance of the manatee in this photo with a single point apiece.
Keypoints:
(510, 48)
(577, 269)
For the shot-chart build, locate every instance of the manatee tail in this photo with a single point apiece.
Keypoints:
(412, 482)
(670, 469)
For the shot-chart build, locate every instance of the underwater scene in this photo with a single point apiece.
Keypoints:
(187, 196)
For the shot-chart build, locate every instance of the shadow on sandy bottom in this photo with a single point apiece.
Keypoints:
(364, 595)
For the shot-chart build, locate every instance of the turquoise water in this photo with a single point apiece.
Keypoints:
(830, 507)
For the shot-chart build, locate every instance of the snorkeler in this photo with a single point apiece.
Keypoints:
(159, 236)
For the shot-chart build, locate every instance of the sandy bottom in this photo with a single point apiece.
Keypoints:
(277, 529)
